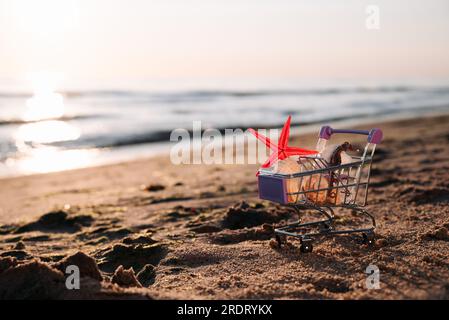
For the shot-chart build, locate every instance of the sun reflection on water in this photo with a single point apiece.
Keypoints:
(45, 103)
(50, 159)
(35, 140)
(44, 106)
(47, 132)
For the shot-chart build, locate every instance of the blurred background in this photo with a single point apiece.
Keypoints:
(87, 82)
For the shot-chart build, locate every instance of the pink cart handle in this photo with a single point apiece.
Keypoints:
(374, 135)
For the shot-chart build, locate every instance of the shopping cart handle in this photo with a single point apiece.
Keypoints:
(374, 135)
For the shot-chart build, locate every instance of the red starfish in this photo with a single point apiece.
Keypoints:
(282, 150)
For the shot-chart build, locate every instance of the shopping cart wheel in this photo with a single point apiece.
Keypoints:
(306, 246)
(325, 227)
(280, 239)
(368, 238)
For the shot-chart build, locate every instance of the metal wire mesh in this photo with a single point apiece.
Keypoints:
(321, 184)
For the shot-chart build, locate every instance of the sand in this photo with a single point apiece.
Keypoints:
(147, 229)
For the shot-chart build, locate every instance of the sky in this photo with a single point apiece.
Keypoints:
(105, 39)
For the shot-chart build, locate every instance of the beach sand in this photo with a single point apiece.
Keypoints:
(200, 232)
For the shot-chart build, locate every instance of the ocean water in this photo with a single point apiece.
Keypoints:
(83, 125)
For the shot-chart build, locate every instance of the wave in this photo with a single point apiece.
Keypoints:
(108, 141)
(175, 96)
(163, 136)
(253, 93)
(119, 139)
(240, 93)
(18, 121)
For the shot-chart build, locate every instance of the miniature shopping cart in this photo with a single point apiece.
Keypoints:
(320, 187)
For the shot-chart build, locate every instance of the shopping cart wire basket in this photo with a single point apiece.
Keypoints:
(321, 187)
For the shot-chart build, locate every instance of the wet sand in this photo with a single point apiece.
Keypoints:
(200, 232)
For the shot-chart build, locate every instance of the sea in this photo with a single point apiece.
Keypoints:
(84, 124)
